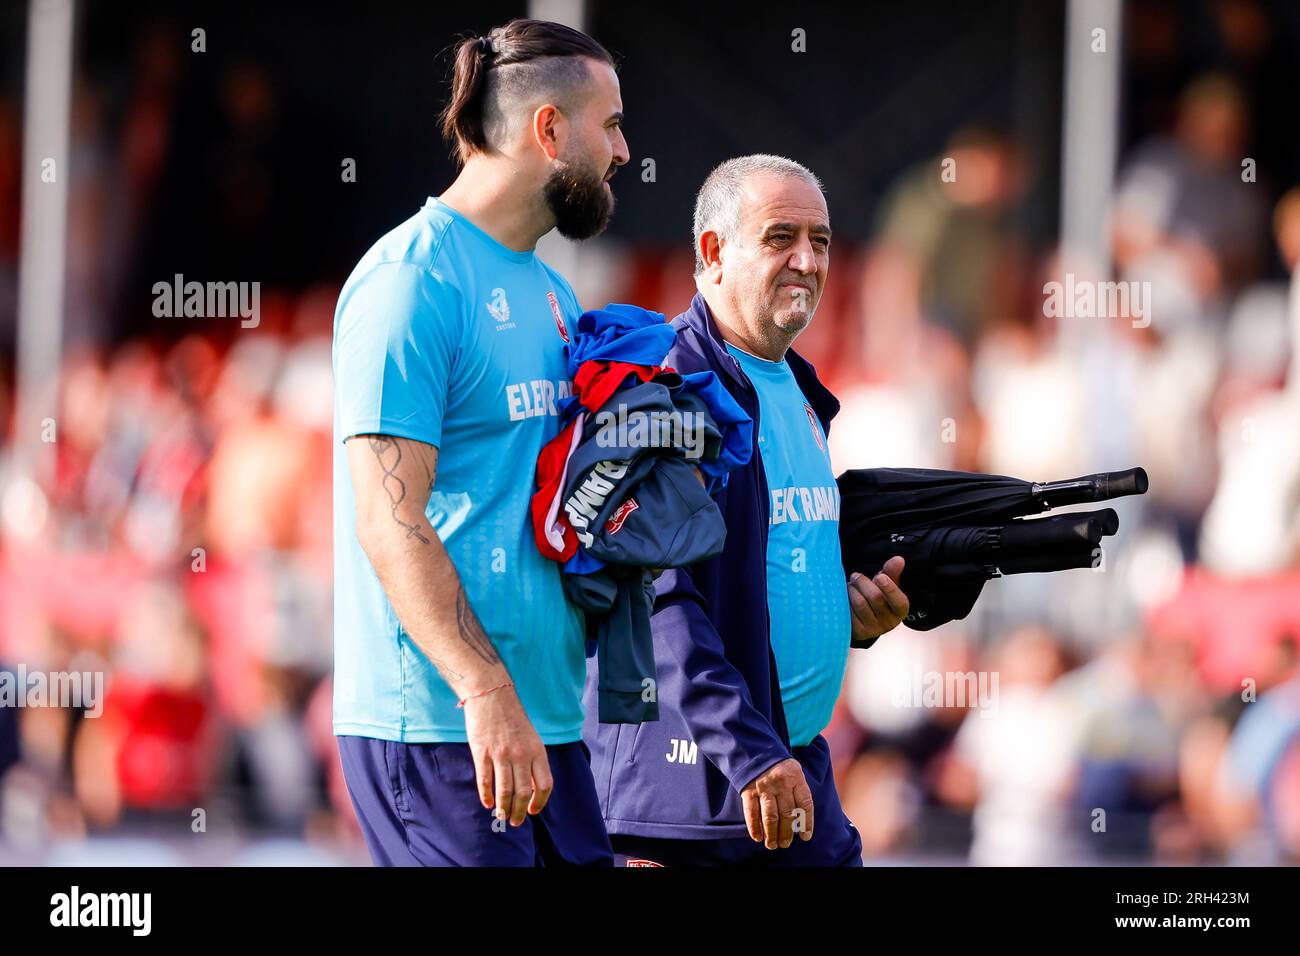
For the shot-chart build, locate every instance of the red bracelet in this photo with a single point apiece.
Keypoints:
(483, 693)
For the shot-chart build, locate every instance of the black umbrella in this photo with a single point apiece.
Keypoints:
(957, 530)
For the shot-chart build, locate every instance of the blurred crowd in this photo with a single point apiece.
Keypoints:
(1146, 709)
(182, 545)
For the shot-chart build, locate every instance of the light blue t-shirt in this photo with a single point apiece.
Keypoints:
(807, 598)
(445, 336)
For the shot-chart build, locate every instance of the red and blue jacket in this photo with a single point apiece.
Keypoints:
(721, 723)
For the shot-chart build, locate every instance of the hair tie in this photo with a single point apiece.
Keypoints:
(487, 45)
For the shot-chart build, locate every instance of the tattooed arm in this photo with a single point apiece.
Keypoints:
(391, 479)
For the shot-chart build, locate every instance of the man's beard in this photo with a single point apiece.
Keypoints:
(578, 201)
(792, 314)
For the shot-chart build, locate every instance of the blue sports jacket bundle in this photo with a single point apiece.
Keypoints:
(717, 680)
(632, 496)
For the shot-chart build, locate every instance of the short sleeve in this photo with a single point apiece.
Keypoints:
(395, 345)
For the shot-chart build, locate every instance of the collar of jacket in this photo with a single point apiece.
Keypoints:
(824, 403)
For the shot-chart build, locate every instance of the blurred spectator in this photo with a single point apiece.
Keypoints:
(1017, 762)
(1183, 218)
(153, 751)
(1187, 222)
(1135, 699)
(888, 770)
(1247, 783)
(1033, 399)
(1253, 524)
(946, 231)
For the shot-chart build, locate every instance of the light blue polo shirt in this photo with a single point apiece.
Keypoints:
(445, 336)
(807, 598)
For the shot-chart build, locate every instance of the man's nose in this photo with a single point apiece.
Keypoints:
(621, 152)
(802, 258)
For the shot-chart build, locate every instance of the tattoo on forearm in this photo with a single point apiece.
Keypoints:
(388, 453)
(471, 631)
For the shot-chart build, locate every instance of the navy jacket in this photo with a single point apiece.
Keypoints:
(721, 723)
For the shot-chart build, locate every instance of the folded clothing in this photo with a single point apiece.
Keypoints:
(590, 466)
(618, 491)
(551, 529)
(669, 520)
(620, 600)
(620, 333)
(596, 381)
(734, 425)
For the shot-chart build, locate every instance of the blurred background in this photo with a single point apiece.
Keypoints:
(175, 534)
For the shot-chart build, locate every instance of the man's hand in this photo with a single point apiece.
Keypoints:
(879, 605)
(774, 801)
(510, 765)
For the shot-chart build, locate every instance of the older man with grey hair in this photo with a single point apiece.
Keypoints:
(751, 646)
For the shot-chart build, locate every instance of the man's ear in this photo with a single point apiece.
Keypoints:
(710, 250)
(550, 127)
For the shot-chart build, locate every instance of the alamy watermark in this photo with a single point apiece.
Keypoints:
(133, 911)
(1089, 299)
(208, 300)
(77, 689)
(974, 689)
(683, 430)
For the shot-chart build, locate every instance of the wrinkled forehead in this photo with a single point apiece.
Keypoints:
(769, 199)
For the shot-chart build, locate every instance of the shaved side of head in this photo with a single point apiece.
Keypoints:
(515, 90)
